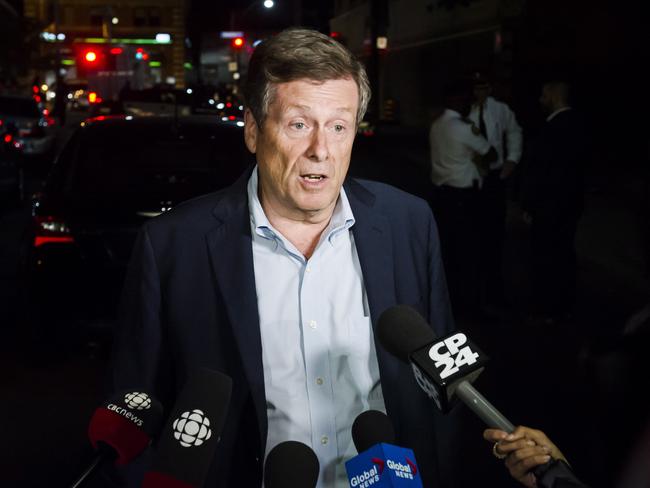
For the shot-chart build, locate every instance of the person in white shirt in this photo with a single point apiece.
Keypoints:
(460, 157)
(498, 124)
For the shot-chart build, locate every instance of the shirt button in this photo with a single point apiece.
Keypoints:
(313, 324)
(319, 381)
(308, 269)
(324, 440)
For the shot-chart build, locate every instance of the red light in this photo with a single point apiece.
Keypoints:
(35, 89)
(46, 112)
(37, 98)
(39, 240)
(51, 230)
(231, 117)
(238, 42)
(335, 34)
(145, 56)
(116, 50)
(228, 104)
(8, 138)
(90, 56)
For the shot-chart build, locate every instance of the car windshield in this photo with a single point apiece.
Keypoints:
(133, 159)
(18, 107)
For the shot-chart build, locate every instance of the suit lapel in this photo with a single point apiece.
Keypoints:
(231, 258)
(373, 240)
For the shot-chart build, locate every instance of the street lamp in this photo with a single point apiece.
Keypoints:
(269, 3)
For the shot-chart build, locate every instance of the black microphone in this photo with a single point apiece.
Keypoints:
(444, 368)
(121, 429)
(189, 439)
(379, 462)
(291, 464)
(372, 427)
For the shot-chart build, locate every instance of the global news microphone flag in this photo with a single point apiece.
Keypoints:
(384, 466)
(379, 463)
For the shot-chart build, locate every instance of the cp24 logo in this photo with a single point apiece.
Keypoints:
(451, 354)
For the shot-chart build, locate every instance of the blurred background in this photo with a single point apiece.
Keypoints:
(112, 112)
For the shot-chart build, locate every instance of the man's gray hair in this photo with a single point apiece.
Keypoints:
(300, 54)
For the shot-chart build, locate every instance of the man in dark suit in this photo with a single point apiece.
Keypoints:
(553, 201)
(278, 281)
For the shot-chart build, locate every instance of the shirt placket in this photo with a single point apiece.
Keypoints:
(317, 363)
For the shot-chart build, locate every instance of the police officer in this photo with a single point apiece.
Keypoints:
(460, 158)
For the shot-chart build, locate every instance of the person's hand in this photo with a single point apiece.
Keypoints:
(522, 451)
(507, 169)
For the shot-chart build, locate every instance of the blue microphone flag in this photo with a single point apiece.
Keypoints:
(384, 466)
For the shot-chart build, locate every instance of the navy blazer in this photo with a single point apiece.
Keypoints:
(189, 301)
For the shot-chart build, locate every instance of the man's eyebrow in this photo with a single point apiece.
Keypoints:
(308, 108)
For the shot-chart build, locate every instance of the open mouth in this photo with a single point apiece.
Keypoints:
(313, 177)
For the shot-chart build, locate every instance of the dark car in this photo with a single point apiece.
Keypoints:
(112, 175)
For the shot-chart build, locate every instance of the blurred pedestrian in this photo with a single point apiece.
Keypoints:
(460, 156)
(497, 123)
(553, 202)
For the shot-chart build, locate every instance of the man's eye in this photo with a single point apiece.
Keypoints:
(299, 125)
(339, 128)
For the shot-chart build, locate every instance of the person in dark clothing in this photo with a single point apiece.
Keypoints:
(553, 203)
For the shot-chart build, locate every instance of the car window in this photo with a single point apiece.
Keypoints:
(19, 107)
(156, 158)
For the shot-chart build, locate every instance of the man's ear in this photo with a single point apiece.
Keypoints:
(250, 131)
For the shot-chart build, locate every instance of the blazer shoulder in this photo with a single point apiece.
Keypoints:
(387, 198)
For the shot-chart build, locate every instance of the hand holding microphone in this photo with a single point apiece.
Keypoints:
(445, 368)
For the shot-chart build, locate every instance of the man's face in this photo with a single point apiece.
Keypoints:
(303, 148)
(481, 92)
(546, 100)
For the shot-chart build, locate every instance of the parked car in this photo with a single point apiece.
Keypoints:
(113, 174)
(29, 121)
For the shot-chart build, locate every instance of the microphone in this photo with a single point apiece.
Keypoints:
(291, 464)
(189, 439)
(445, 368)
(121, 429)
(379, 462)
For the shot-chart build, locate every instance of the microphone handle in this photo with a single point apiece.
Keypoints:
(552, 474)
(481, 407)
(104, 454)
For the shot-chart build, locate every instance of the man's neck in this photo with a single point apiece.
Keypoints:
(305, 232)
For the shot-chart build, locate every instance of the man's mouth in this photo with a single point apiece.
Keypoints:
(313, 177)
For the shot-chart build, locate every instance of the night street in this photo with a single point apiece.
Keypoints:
(145, 108)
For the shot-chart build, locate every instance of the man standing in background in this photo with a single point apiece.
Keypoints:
(496, 122)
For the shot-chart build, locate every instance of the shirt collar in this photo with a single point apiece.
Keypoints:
(342, 218)
(558, 111)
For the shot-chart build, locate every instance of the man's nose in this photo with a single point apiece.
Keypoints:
(318, 148)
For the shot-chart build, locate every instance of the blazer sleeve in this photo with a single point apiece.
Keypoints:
(141, 358)
(440, 313)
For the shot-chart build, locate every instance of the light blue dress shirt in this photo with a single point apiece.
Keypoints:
(318, 352)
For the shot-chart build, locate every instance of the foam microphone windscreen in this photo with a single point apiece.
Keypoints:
(189, 439)
(370, 428)
(126, 422)
(402, 330)
(291, 464)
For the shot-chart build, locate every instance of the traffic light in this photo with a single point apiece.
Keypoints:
(91, 57)
(238, 42)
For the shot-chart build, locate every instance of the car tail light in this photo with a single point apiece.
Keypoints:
(51, 229)
(8, 138)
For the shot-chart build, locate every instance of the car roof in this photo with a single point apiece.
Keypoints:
(149, 120)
